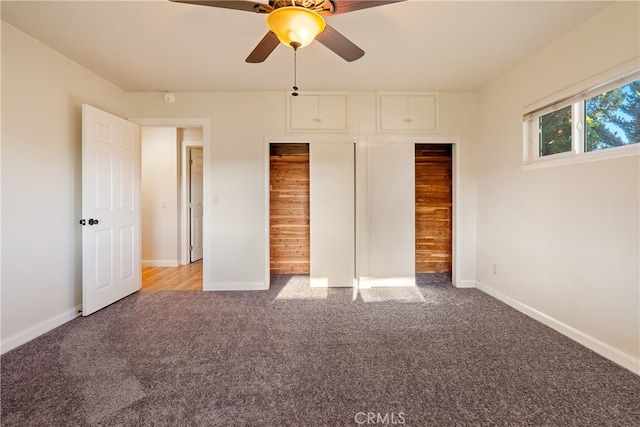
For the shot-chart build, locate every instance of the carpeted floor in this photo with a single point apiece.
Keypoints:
(294, 356)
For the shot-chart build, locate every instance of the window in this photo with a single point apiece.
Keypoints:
(593, 117)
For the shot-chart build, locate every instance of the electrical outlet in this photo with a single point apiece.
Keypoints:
(495, 269)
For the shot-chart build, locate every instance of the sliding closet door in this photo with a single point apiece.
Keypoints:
(331, 184)
(391, 189)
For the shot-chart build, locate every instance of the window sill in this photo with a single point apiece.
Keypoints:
(577, 158)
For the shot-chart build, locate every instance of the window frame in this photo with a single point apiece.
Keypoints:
(575, 96)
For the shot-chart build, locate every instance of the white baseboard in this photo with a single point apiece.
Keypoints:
(396, 282)
(39, 329)
(603, 349)
(160, 263)
(315, 282)
(466, 284)
(235, 286)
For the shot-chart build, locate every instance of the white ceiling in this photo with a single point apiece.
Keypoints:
(158, 45)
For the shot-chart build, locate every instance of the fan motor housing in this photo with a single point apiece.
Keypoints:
(325, 6)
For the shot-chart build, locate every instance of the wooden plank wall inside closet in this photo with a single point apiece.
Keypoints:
(289, 208)
(433, 208)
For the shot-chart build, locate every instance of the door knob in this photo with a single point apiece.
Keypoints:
(93, 221)
(83, 222)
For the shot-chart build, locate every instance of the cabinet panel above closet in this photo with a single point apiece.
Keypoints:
(317, 112)
(407, 112)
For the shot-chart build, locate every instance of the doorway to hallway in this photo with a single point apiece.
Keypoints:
(182, 278)
(172, 207)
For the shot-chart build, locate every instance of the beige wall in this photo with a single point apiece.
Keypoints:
(42, 94)
(564, 239)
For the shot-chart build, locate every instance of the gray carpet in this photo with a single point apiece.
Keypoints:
(294, 356)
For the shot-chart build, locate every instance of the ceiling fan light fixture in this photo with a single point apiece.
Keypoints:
(295, 26)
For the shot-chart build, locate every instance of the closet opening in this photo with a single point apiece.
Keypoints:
(289, 212)
(433, 204)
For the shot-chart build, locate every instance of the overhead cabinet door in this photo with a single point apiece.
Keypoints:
(304, 112)
(407, 113)
(332, 112)
(318, 113)
(331, 185)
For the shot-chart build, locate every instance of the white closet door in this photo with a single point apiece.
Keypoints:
(331, 187)
(391, 171)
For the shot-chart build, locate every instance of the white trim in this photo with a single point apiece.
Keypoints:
(603, 349)
(267, 212)
(172, 122)
(572, 158)
(308, 139)
(413, 139)
(465, 284)
(236, 286)
(24, 337)
(315, 282)
(160, 263)
(394, 282)
(456, 264)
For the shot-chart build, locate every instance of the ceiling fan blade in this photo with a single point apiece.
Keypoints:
(339, 44)
(248, 6)
(268, 43)
(344, 6)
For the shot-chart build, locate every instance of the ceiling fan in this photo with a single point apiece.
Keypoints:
(296, 23)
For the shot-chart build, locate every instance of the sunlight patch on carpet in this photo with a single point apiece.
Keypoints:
(396, 294)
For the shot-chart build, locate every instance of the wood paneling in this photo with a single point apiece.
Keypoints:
(289, 209)
(184, 278)
(433, 208)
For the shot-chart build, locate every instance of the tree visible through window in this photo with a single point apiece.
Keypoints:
(555, 132)
(612, 119)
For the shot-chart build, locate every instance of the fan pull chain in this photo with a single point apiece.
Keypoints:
(295, 47)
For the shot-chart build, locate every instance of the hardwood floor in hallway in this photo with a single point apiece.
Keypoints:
(183, 278)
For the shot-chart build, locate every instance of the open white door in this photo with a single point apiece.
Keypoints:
(110, 220)
(196, 216)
